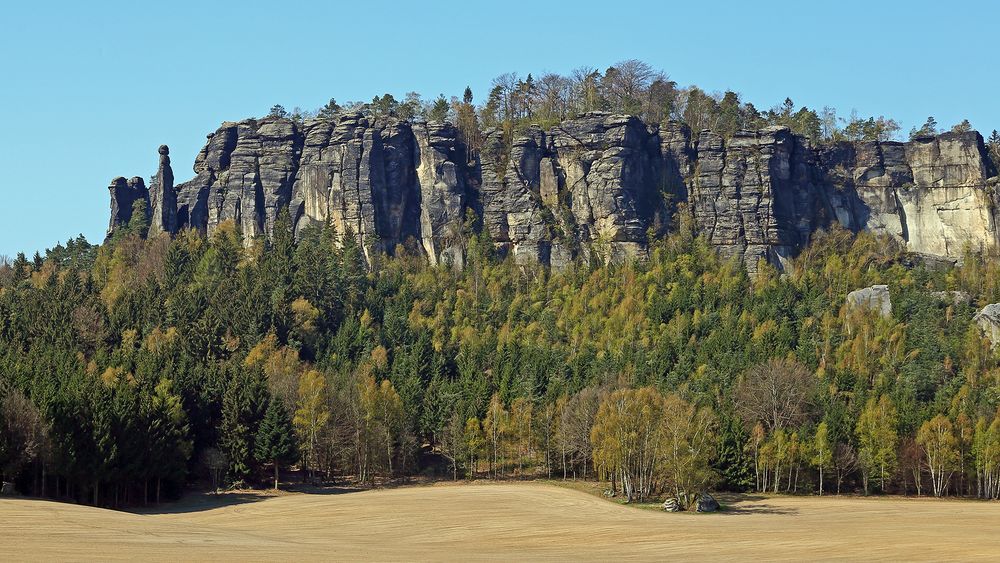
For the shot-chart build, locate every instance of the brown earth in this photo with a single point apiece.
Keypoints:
(511, 521)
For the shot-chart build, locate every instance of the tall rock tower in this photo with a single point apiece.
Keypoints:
(163, 198)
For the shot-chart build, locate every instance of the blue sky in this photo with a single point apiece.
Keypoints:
(90, 91)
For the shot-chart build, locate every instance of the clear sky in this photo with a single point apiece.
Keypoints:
(90, 89)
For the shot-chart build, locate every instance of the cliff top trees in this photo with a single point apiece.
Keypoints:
(930, 127)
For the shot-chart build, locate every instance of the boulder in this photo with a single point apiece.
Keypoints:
(671, 505)
(707, 503)
(952, 297)
(875, 298)
(988, 319)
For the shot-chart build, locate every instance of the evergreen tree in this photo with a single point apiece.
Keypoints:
(275, 440)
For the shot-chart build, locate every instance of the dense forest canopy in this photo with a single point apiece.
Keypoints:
(134, 367)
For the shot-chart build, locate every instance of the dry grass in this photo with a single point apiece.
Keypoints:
(512, 521)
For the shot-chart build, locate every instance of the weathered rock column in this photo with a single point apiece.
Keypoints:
(163, 198)
(124, 194)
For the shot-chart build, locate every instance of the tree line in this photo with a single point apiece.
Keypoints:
(131, 369)
(631, 87)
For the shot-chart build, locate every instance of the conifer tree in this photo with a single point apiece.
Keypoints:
(275, 442)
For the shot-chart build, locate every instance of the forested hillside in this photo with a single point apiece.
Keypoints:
(130, 369)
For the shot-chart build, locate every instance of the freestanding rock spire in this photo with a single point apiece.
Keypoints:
(124, 194)
(163, 198)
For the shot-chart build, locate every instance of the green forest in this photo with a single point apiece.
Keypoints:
(134, 368)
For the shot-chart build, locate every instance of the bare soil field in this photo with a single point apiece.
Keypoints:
(509, 521)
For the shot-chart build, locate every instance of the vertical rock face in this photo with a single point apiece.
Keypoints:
(875, 298)
(593, 184)
(754, 196)
(124, 194)
(516, 209)
(592, 187)
(988, 319)
(441, 179)
(339, 178)
(932, 194)
(162, 197)
(245, 175)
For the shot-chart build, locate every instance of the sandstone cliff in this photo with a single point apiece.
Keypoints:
(594, 187)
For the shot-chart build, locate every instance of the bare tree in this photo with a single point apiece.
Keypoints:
(22, 432)
(573, 434)
(554, 96)
(845, 461)
(775, 393)
(627, 84)
(585, 86)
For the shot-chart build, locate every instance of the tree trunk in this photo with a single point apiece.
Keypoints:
(276, 475)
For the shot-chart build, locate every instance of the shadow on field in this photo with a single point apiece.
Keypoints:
(197, 502)
(748, 504)
(318, 490)
(201, 501)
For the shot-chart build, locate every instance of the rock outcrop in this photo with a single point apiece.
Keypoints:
(934, 195)
(594, 187)
(124, 194)
(162, 197)
(588, 185)
(875, 298)
(988, 319)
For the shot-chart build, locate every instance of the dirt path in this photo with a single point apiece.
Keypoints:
(501, 521)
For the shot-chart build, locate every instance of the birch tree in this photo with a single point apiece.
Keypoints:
(937, 437)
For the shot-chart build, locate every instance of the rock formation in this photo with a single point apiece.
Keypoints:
(875, 298)
(124, 194)
(988, 319)
(707, 503)
(162, 197)
(593, 187)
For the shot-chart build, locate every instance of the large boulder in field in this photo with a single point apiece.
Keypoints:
(875, 298)
(706, 503)
(988, 319)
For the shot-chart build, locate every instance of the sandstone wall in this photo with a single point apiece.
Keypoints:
(594, 187)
